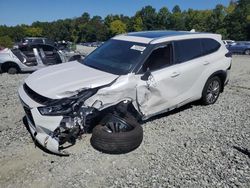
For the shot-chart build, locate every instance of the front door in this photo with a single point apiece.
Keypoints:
(173, 80)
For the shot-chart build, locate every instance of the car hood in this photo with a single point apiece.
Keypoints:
(66, 79)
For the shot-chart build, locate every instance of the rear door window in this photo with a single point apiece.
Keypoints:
(186, 50)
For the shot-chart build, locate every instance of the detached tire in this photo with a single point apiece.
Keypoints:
(115, 140)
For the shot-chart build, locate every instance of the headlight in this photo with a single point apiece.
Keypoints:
(60, 107)
(65, 106)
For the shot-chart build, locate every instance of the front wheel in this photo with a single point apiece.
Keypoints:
(247, 52)
(211, 91)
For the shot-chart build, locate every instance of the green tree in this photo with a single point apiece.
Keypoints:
(117, 27)
(232, 22)
(197, 20)
(237, 22)
(216, 20)
(163, 18)
(176, 9)
(148, 16)
(137, 24)
(33, 31)
(6, 42)
(177, 19)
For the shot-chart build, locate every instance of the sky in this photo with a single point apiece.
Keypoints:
(14, 12)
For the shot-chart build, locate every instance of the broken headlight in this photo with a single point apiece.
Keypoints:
(60, 107)
(66, 105)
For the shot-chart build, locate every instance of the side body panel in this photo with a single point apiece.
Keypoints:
(167, 88)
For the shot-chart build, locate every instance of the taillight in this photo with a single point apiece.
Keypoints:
(228, 54)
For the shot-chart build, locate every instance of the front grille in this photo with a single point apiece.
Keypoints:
(35, 96)
(29, 115)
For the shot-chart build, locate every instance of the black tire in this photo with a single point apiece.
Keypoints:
(117, 142)
(247, 52)
(209, 91)
(12, 70)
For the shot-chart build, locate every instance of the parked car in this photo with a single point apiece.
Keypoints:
(36, 40)
(48, 50)
(130, 77)
(14, 61)
(239, 48)
(228, 42)
(33, 57)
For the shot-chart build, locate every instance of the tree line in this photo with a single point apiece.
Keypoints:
(232, 22)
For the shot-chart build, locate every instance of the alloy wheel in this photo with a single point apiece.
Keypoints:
(213, 91)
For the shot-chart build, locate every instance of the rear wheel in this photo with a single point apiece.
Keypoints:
(247, 52)
(116, 135)
(12, 70)
(211, 91)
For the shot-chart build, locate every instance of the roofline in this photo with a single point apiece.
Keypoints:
(126, 37)
(184, 36)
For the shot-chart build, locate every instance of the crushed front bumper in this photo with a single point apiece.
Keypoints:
(40, 127)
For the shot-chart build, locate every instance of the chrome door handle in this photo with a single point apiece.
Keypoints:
(206, 63)
(174, 74)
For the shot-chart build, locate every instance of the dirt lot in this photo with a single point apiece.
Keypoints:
(195, 146)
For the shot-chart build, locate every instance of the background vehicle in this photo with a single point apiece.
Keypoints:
(239, 48)
(130, 77)
(48, 53)
(14, 60)
(36, 40)
(228, 42)
(33, 57)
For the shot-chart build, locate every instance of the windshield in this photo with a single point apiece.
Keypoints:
(115, 56)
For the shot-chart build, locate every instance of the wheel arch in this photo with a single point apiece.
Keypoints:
(122, 107)
(8, 64)
(222, 75)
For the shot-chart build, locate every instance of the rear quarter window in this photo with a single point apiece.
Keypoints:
(210, 46)
(186, 50)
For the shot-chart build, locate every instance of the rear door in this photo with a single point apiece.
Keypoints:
(189, 58)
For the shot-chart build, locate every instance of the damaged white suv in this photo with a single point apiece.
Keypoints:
(130, 77)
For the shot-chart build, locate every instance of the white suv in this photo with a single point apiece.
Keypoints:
(131, 76)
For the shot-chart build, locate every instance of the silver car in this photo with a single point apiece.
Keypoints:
(32, 58)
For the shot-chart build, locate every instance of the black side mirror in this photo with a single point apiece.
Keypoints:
(146, 75)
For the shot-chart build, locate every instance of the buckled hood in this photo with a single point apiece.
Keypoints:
(55, 81)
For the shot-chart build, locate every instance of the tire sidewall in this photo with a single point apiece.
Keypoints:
(117, 143)
(204, 92)
(12, 70)
(98, 131)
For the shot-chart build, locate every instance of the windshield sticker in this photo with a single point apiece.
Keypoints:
(138, 48)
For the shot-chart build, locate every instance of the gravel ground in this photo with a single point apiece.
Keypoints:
(195, 146)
